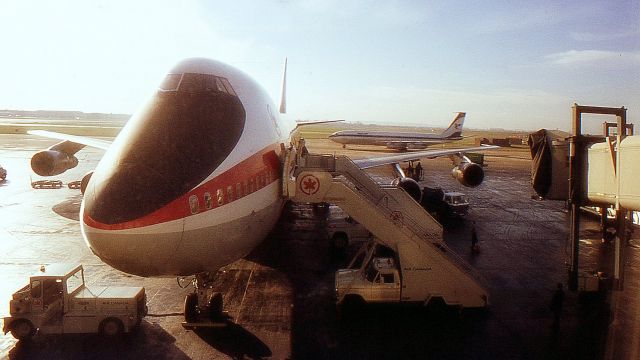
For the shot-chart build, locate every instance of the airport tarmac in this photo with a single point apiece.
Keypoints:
(281, 296)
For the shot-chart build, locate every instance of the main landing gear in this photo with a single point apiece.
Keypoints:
(204, 307)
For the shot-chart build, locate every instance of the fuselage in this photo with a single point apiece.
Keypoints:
(192, 183)
(383, 138)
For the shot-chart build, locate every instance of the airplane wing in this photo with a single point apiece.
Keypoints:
(96, 143)
(416, 155)
(316, 122)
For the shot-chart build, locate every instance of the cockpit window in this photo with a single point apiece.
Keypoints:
(171, 82)
(220, 86)
(175, 144)
(200, 83)
(227, 85)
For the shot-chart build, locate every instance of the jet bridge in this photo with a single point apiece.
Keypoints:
(392, 216)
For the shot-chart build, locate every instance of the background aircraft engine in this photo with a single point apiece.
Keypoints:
(85, 181)
(52, 162)
(468, 174)
(411, 187)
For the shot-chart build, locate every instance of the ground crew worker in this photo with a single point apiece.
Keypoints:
(556, 305)
(419, 172)
(474, 239)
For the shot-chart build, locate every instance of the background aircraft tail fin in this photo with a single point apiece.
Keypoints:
(283, 92)
(455, 129)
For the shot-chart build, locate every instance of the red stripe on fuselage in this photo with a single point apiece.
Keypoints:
(253, 173)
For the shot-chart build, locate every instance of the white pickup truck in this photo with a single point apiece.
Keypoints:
(378, 282)
(378, 275)
(56, 301)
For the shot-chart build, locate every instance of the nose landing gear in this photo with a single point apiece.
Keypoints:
(204, 306)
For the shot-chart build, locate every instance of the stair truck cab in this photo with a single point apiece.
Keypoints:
(376, 276)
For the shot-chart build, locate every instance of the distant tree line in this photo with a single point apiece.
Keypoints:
(62, 115)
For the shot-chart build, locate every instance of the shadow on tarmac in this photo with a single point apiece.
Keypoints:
(150, 341)
(235, 341)
(516, 326)
(69, 208)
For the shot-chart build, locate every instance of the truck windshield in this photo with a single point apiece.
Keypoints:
(74, 281)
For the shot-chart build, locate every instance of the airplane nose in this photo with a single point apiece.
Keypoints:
(178, 140)
(162, 153)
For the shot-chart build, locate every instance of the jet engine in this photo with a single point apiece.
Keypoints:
(52, 162)
(411, 187)
(85, 181)
(468, 174)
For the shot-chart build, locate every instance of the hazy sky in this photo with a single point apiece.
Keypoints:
(509, 64)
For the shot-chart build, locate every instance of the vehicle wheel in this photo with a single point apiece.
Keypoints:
(340, 241)
(111, 327)
(215, 307)
(190, 307)
(352, 307)
(22, 329)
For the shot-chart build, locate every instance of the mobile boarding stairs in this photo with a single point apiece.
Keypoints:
(393, 217)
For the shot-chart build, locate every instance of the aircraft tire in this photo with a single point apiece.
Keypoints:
(111, 327)
(190, 304)
(216, 307)
(23, 329)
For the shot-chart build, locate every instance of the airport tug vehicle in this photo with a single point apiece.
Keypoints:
(56, 301)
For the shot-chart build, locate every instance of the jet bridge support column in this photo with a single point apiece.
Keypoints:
(577, 181)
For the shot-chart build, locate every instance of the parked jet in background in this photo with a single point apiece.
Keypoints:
(400, 140)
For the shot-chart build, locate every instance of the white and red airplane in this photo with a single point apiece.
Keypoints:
(402, 141)
(192, 182)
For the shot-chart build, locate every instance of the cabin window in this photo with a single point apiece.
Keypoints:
(229, 193)
(220, 196)
(207, 201)
(194, 204)
(239, 190)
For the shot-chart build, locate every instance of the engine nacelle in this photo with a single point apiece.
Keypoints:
(85, 181)
(52, 162)
(468, 174)
(411, 187)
